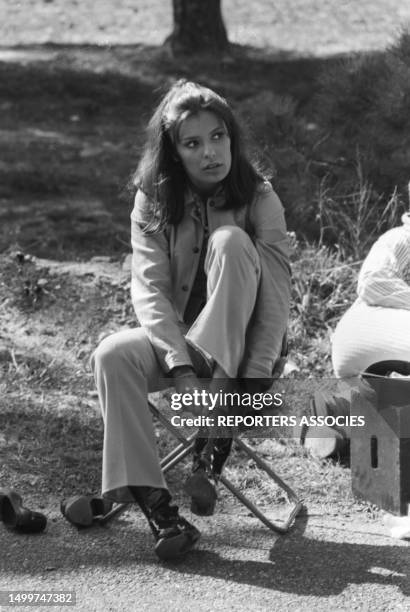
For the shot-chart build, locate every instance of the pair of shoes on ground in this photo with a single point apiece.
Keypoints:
(18, 518)
(84, 510)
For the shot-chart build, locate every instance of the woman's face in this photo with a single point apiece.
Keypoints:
(204, 148)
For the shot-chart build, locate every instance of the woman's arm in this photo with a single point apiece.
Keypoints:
(151, 290)
(382, 279)
(270, 317)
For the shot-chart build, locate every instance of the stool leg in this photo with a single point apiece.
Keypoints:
(283, 528)
(298, 504)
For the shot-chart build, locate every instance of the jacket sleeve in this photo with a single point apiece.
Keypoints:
(151, 290)
(381, 279)
(270, 317)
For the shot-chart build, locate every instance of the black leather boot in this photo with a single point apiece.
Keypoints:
(174, 535)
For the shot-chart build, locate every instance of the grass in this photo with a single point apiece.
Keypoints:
(350, 220)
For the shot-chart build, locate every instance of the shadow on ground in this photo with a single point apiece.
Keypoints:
(297, 564)
(72, 126)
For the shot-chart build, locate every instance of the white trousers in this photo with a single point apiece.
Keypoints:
(368, 334)
(126, 368)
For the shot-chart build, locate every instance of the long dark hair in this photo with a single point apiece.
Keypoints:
(161, 176)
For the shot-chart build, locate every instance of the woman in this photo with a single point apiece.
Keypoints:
(210, 288)
(376, 328)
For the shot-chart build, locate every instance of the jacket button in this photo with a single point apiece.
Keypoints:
(212, 203)
(196, 249)
(184, 287)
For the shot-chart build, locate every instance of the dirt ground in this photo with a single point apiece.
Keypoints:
(77, 83)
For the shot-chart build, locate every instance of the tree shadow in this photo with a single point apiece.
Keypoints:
(296, 564)
(307, 566)
(53, 449)
(133, 76)
(72, 127)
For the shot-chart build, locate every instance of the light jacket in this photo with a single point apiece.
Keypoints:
(384, 278)
(164, 267)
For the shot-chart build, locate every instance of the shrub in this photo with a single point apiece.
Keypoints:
(364, 116)
(277, 134)
(353, 221)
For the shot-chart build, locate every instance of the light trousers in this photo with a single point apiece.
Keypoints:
(368, 334)
(126, 368)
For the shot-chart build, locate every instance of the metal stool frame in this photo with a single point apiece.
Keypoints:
(185, 447)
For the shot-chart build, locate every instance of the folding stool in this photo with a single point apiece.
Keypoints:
(186, 446)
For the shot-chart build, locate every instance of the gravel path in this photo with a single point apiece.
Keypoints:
(329, 562)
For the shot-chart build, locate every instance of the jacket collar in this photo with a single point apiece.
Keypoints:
(193, 199)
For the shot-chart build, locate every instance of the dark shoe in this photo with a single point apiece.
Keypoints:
(175, 536)
(202, 492)
(82, 510)
(17, 518)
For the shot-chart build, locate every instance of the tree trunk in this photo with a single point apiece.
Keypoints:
(198, 28)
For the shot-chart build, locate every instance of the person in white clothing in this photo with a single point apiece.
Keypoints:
(376, 328)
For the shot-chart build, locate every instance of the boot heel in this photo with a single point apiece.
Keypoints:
(202, 492)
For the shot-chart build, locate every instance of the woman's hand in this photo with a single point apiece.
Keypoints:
(187, 382)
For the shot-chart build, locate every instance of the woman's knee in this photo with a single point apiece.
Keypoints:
(230, 239)
(106, 354)
(116, 350)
